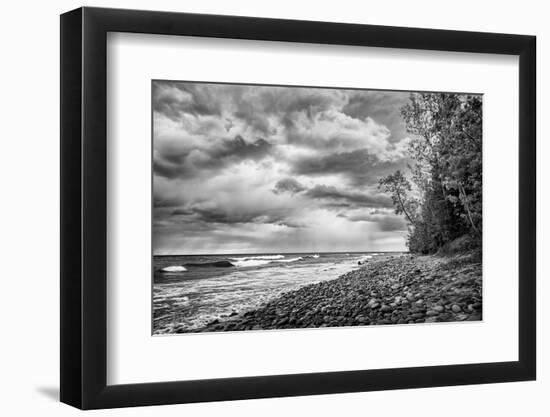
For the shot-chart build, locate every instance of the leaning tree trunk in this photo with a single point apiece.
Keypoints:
(467, 207)
(403, 208)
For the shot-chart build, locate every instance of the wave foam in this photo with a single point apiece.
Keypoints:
(174, 268)
(261, 257)
(250, 262)
(290, 260)
(261, 260)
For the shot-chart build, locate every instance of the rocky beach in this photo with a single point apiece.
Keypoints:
(404, 289)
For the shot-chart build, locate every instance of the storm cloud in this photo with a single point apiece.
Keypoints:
(351, 197)
(289, 185)
(357, 167)
(242, 168)
(190, 162)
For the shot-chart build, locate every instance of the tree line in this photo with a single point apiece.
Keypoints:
(440, 196)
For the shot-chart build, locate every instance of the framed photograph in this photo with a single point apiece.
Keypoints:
(257, 208)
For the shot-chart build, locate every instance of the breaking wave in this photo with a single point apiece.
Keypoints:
(259, 261)
(261, 257)
(174, 268)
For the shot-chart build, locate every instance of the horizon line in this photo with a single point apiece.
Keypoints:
(274, 253)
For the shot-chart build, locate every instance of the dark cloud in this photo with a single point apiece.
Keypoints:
(350, 197)
(385, 223)
(289, 185)
(189, 162)
(219, 215)
(166, 202)
(241, 149)
(164, 168)
(358, 161)
(360, 167)
(181, 212)
(175, 99)
(256, 106)
(382, 106)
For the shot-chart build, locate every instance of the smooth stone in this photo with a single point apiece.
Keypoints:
(385, 308)
(432, 313)
(439, 309)
(456, 308)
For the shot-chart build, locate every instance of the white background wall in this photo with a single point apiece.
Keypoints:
(29, 237)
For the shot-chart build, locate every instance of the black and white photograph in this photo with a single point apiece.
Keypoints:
(282, 207)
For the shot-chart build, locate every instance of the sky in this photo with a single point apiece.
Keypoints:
(264, 169)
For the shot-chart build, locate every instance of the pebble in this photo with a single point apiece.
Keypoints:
(390, 291)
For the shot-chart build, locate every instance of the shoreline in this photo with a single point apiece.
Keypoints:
(398, 289)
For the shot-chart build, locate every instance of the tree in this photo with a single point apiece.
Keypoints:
(446, 150)
(398, 187)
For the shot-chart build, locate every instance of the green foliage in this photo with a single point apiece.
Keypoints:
(446, 147)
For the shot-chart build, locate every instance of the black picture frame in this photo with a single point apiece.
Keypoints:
(84, 207)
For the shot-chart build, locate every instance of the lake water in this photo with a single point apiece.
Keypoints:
(191, 291)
